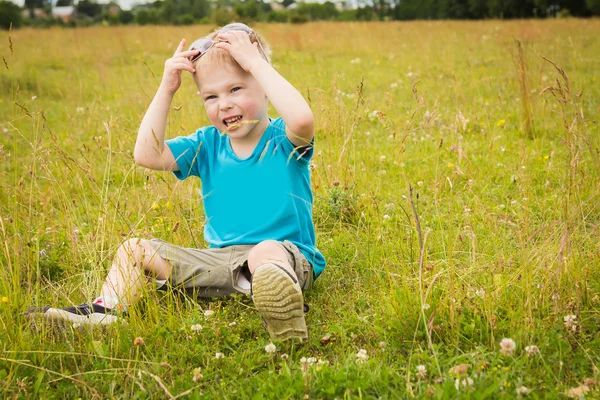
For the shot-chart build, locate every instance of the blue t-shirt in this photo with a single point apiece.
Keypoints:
(265, 196)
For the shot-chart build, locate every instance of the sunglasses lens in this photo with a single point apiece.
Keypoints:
(202, 44)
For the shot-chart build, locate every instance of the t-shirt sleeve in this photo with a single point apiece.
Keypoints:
(189, 153)
(302, 154)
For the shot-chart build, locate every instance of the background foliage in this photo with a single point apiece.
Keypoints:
(221, 12)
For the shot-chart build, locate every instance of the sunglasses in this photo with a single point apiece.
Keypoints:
(204, 44)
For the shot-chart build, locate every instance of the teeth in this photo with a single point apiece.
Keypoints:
(233, 119)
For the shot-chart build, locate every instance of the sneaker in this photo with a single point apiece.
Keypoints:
(83, 314)
(278, 298)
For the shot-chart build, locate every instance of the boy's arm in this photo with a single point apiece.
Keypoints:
(150, 149)
(286, 99)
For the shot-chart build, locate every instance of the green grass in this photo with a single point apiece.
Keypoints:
(509, 224)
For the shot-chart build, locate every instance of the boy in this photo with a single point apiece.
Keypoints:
(255, 189)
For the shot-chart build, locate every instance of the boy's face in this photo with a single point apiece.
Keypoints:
(234, 101)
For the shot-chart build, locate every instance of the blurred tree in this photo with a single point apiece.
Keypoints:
(63, 3)
(223, 16)
(31, 4)
(317, 11)
(126, 17)
(10, 13)
(146, 16)
(248, 10)
(277, 16)
(365, 14)
(185, 19)
(477, 9)
(89, 8)
(199, 8)
(593, 6)
(168, 12)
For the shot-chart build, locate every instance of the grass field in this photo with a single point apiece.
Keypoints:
(501, 150)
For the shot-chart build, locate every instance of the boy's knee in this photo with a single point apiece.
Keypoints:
(266, 251)
(134, 249)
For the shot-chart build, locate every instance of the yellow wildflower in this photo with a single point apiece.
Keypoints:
(500, 123)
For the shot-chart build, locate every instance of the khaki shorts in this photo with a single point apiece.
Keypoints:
(222, 271)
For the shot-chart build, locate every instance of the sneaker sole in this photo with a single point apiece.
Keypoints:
(59, 317)
(280, 302)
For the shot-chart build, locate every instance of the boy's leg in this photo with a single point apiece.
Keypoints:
(122, 286)
(135, 259)
(276, 291)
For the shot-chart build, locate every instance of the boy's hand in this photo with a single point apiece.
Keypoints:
(238, 44)
(171, 79)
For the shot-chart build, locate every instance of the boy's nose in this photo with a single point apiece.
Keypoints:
(225, 104)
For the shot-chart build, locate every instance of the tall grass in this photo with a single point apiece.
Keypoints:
(499, 143)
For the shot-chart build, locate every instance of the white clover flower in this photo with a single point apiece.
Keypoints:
(532, 350)
(367, 133)
(232, 323)
(382, 158)
(361, 356)
(219, 355)
(393, 85)
(464, 383)
(284, 356)
(355, 61)
(382, 345)
(480, 293)
(425, 306)
(421, 371)
(386, 217)
(80, 109)
(420, 183)
(311, 360)
(5, 130)
(197, 374)
(507, 346)
(303, 360)
(410, 74)
(270, 348)
(196, 327)
(571, 321)
(208, 313)
(577, 393)
(373, 115)
(33, 97)
(523, 391)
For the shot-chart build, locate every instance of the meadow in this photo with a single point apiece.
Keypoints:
(457, 202)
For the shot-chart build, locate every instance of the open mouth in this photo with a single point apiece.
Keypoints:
(232, 121)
